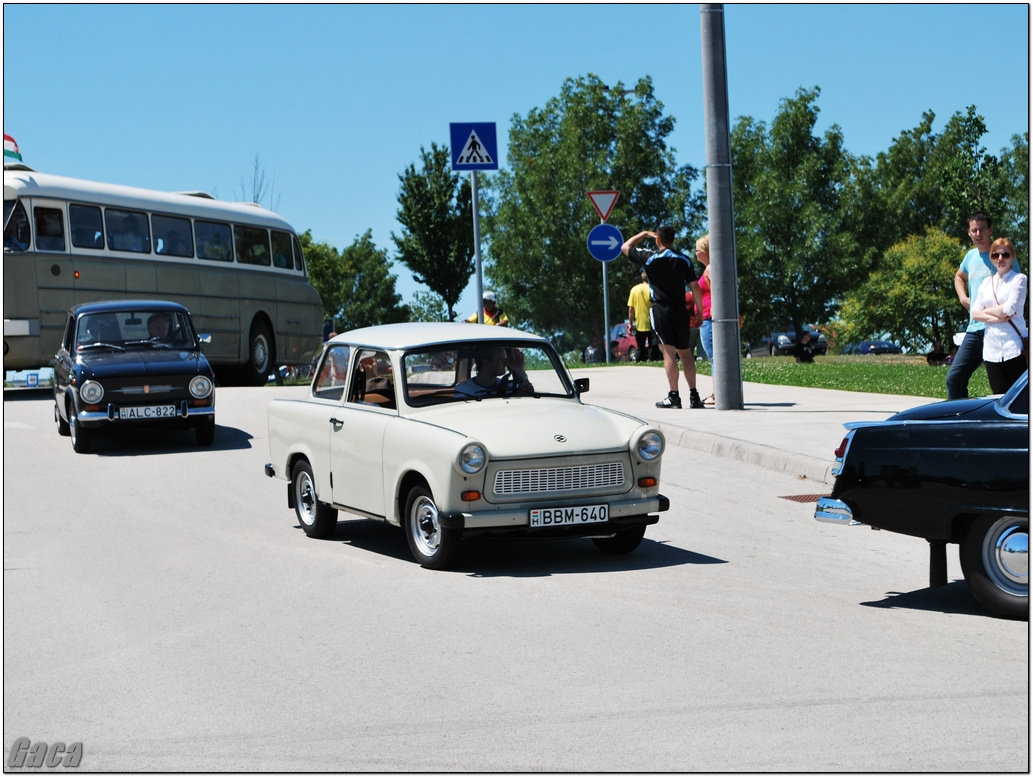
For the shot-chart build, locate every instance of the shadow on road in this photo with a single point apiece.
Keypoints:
(141, 442)
(951, 599)
(483, 557)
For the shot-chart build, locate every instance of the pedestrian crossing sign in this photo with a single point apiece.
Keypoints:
(474, 146)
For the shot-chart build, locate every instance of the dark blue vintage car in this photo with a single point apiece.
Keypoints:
(132, 364)
(949, 472)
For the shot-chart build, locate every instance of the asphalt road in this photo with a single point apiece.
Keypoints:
(162, 607)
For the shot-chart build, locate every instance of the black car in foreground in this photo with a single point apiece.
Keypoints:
(132, 364)
(949, 472)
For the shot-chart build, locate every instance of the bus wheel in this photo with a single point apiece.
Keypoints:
(261, 354)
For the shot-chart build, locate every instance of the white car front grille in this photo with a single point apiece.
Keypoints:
(559, 479)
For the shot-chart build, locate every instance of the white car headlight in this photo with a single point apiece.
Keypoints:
(650, 445)
(200, 386)
(91, 392)
(471, 459)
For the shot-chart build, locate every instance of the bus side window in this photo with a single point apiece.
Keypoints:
(86, 226)
(127, 231)
(16, 228)
(299, 256)
(252, 244)
(172, 236)
(50, 229)
(213, 240)
(282, 256)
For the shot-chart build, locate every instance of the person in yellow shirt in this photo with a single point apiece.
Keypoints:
(639, 304)
(493, 314)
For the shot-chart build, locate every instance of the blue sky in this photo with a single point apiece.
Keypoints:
(336, 100)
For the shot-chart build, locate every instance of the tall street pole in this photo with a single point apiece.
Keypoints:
(727, 366)
(477, 246)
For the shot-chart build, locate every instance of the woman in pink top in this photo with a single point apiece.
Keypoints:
(707, 330)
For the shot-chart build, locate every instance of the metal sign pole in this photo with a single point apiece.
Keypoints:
(477, 247)
(606, 309)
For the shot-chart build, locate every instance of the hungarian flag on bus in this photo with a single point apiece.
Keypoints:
(11, 149)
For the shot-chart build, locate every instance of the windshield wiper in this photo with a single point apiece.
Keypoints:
(88, 346)
(152, 342)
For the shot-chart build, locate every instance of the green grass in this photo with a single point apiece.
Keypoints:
(890, 374)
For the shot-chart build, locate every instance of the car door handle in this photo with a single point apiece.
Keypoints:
(336, 421)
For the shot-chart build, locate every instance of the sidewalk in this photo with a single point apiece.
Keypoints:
(784, 428)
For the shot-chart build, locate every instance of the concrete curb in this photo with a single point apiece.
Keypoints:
(794, 464)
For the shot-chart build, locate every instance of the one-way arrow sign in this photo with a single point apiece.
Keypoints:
(604, 242)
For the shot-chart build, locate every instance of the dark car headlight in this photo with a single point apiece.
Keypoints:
(91, 392)
(200, 386)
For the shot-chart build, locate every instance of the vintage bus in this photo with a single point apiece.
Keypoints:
(238, 268)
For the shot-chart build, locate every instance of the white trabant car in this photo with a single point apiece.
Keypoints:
(461, 430)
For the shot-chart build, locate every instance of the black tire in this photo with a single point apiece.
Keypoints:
(633, 354)
(80, 435)
(317, 518)
(995, 561)
(261, 354)
(624, 541)
(432, 545)
(204, 431)
(62, 425)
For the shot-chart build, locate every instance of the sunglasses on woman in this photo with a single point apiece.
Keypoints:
(1001, 254)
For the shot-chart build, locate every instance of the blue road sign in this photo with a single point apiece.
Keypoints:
(474, 146)
(604, 242)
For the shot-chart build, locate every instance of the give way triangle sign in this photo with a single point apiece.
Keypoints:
(603, 202)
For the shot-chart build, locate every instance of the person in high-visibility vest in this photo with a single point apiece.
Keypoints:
(493, 314)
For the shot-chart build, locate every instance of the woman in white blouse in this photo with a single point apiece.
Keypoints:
(999, 303)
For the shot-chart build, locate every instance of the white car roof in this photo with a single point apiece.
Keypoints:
(403, 336)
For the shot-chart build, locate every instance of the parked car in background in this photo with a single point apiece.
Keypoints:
(131, 364)
(783, 344)
(872, 347)
(390, 431)
(627, 345)
(949, 472)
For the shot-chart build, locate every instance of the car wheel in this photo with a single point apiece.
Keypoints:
(633, 354)
(79, 434)
(261, 354)
(204, 432)
(624, 541)
(771, 350)
(432, 545)
(62, 424)
(317, 518)
(995, 561)
(749, 354)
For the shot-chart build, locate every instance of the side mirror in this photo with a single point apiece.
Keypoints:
(581, 385)
(204, 339)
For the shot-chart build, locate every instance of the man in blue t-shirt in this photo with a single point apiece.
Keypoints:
(975, 268)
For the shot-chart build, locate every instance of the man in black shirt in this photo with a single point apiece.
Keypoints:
(668, 273)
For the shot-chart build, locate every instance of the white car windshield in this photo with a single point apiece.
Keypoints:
(483, 371)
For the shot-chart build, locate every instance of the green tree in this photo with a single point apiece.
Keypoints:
(356, 285)
(796, 252)
(910, 297)
(436, 215)
(932, 179)
(538, 214)
(1011, 219)
(427, 306)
